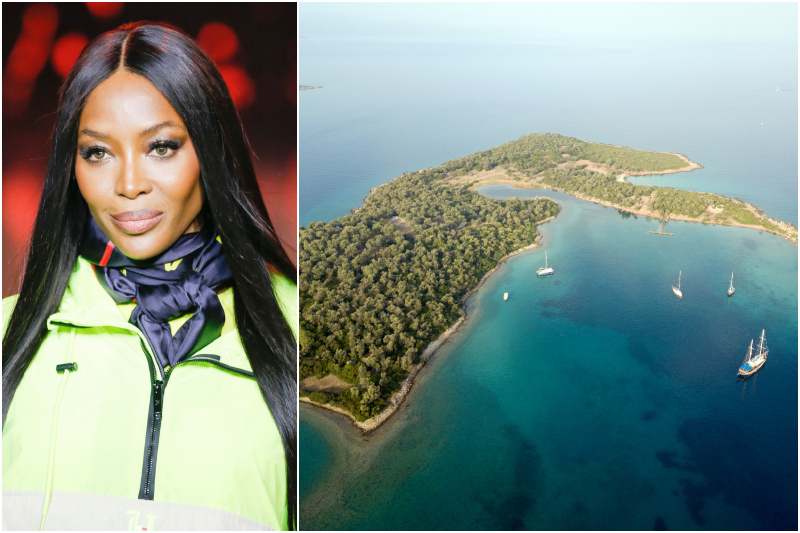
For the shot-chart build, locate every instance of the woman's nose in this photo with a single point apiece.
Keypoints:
(132, 180)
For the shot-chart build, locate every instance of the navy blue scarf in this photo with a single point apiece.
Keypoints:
(183, 279)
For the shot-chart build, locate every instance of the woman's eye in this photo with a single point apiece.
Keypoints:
(94, 154)
(164, 149)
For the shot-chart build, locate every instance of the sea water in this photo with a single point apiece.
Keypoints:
(593, 398)
(386, 108)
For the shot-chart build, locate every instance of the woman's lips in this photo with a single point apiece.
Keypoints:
(137, 222)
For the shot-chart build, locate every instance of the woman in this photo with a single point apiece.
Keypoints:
(149, 361)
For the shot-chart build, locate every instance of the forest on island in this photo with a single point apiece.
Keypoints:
(377, 286)
(553, 160)
(536, 152)
(665, 200)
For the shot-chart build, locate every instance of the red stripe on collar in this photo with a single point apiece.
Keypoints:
(107, 254)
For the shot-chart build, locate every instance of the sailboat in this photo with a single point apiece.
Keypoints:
(731, 289)
(505, 297)
(778, 89)
(545, 271)
(677, 290)
(753, 363)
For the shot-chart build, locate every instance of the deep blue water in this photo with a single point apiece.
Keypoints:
(592, 399)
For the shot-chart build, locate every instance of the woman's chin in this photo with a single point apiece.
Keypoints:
(140, 247)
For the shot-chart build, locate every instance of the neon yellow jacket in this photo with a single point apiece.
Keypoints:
(111, 443)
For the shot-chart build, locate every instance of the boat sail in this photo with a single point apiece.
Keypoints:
(505, 297)
(753, 363)
(731, 289)
(778, 89)
(545, 271)
(677, 290)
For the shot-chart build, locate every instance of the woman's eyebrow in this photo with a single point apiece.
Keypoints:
(92, 133)
(166, 124)
(148, 131)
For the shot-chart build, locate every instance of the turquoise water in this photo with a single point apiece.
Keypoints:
(595, 399)
(592, 399)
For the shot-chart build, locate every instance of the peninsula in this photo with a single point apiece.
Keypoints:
(382, 288)
(307, 87)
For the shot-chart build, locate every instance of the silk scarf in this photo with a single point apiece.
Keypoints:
(182, 279)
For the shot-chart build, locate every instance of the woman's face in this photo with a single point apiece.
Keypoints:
(136, 167)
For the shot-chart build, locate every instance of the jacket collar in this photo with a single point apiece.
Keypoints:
(87, 304)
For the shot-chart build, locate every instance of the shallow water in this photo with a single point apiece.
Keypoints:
(594, 398)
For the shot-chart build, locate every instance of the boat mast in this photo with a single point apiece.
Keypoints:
(731, 280)
(749, 352)
(545, 259)
(761, 343)
(679, 280)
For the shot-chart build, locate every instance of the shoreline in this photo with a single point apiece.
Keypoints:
(395, 401)
(534, 184)
(684, 218)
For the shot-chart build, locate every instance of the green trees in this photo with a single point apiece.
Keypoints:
(538, 152)
(374, 293)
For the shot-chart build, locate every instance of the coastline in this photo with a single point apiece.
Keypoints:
(791, 237)
(533, 183)
(396, 400)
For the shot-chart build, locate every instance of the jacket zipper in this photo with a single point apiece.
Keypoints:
(146, 490)
(153, 419)
(153, 428)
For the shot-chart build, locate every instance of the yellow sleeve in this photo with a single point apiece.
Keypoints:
(286, 293)
(8, 308)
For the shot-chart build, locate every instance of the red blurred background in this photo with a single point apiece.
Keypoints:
(254, 46)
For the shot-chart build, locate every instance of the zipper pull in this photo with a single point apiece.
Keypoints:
(69, 367)
(158, 398)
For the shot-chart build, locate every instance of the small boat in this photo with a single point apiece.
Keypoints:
(677, 290)
(545, 271)
(778, 89)
(731, 289)
(505, 297)
(753, 363)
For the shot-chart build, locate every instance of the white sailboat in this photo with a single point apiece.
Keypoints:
(545, 271)
(778, 89)
(731, 289)
(677, 290)
(505, 297)
(753, 363)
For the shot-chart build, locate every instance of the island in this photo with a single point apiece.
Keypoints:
(382, 288)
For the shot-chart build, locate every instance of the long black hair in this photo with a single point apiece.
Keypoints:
(189, 80)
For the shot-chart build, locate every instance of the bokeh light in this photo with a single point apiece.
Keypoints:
(241, 87)
(66, 52)
(105, 10)
(27, 58)
(219, 41)
(22, 188)
(40, 20)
